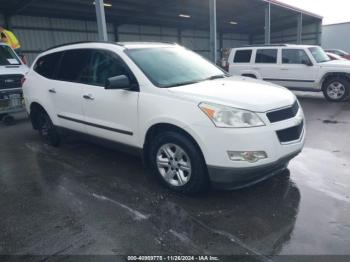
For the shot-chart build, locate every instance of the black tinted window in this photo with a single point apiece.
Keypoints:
(266, 56)
(47, 65)
(105, 65)
(294, 56)
(74, 66)
(242, 56)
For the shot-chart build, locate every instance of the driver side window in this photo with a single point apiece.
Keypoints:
(104, 65)
(294, 56)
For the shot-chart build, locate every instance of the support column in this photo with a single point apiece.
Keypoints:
(213, 38)
(300, 29)
(268, 24)
(101, 20)
(319, 33)
(116, 32)
(179, 36)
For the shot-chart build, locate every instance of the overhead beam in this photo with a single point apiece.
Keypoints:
(213, 33)
(101, 20)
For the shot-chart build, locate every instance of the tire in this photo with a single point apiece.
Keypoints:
(2, 116)
(8, 120)
(336, 89)
(178, 163)
(47, 131)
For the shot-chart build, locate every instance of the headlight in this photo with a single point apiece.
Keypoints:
(225, 116)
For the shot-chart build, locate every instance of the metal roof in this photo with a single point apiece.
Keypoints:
(239, 16)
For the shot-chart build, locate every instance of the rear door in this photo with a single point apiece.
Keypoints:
(67, 89)
(239, 62)
(266, 63)
(110, 114)
(297, 70)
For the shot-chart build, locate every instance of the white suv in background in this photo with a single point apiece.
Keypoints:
(299, 67)
(195, 125)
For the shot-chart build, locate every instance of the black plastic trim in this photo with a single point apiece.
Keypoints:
(96, 125)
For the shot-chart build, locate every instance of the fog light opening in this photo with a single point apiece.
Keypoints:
(247, 156)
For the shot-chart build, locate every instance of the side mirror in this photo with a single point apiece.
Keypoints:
(307, 63)
(118, 82)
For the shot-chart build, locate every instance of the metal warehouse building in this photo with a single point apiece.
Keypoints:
(40, 24)
(336, 36)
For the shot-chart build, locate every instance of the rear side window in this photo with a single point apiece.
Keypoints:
(266, 56)
(294, 56)
(74, 66)
(47, 65)
(242, 56)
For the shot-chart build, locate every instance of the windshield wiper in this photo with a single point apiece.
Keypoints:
(182, 84)
(216, 77)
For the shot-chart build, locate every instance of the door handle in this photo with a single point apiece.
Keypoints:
(256, 68)
(284, 69)
(52, 90)
(88, 97)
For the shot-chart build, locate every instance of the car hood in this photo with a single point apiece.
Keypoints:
(337, 64)
(241, 92)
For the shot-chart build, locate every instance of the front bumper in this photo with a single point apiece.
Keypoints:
(271, 139)
(236, 178)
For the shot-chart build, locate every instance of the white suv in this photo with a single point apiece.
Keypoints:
(299, 67)
(195, 125)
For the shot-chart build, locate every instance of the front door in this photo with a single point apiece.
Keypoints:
(296, 70)
(110, 114)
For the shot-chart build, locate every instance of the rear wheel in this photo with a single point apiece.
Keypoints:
(2, 116)
(336, 89)
(8, 120)
(47, 131)
(178, 163)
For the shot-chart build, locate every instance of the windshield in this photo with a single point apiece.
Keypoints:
(173, 66)
(319, 55)
(7, 56)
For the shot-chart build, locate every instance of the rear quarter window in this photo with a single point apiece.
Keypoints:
(47, 65)
(242, 56)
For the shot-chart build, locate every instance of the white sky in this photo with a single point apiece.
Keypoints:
(333, 11)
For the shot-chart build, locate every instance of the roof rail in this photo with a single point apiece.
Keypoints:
(84, 42)
(267, 45)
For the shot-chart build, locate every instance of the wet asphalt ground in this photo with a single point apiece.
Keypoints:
(83, 198)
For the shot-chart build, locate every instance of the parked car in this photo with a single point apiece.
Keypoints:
(339, 53)
(299, 67)
(12, 71)
(335, 57)
(195, 125)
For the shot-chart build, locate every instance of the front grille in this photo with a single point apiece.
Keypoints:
(10, 81)
(283, 114)
(290, 134)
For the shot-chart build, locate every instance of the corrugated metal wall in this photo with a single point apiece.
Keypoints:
(336, 37)
(310, 36)
(39, 33)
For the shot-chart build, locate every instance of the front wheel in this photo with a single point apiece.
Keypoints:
(47, 130)
(336, 89)
(178, 163)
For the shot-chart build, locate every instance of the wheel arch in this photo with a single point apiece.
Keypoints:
(163, 127)
(330, 75)
(34, 109)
